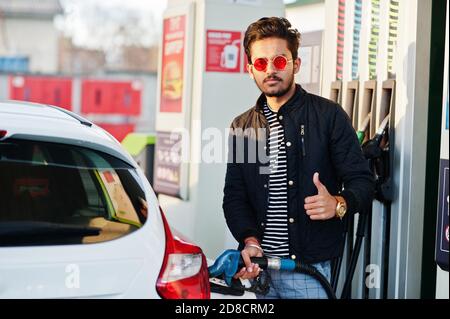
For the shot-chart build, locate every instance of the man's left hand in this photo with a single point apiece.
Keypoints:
(321, 206)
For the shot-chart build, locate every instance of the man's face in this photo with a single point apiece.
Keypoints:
(273, 82)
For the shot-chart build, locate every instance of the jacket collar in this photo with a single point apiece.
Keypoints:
(292, 103)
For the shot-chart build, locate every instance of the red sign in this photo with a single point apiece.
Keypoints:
(223, 51)
(110, 97)
(174, 35)
(42, 89)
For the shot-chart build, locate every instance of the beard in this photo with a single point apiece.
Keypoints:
(283, 90)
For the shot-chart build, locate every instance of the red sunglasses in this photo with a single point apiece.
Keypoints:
(279, 62)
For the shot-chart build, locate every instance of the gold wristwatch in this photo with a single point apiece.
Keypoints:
(341, 206)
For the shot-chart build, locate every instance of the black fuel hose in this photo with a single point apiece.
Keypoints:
(292, 265)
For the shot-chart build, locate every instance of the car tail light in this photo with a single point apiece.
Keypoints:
(184, 273)
(3, 133)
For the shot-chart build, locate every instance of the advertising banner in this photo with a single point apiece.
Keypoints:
(167, 170)
(223, 51)
(174, 98)
(173, 48)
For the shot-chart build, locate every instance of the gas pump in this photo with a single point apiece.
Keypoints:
(142, 147)
(376, 150)
(385, 51)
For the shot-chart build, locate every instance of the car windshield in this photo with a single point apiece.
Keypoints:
(54, 194)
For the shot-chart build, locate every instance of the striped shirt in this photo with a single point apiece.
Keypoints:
(275, 241)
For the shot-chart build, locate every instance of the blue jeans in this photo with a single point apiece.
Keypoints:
(293, 285)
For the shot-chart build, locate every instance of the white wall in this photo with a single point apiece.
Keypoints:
(329, 48)
(37, 39)
(307, 18)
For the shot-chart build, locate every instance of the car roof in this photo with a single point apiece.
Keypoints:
(52, 124)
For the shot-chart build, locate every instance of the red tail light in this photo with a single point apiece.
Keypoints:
(3, 133)
(184, 273)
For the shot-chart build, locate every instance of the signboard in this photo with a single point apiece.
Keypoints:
(167, 170)
(223, 51)
(174, 97)
(122, 208)
(14, 64)
(172, 71)
(42, 89)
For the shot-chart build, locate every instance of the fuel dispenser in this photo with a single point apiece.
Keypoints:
(380, 153)
(141, 146)
(363, 120)
(351, 101)
(336, 92)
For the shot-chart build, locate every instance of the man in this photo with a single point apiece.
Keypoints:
(289, 200)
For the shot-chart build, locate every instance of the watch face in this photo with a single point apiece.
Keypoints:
(341, 211)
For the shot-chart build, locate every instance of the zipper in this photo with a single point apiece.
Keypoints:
(302, 133)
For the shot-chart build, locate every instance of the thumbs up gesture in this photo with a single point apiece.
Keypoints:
(321, 206)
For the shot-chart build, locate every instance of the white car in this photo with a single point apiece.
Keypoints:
(78, 218)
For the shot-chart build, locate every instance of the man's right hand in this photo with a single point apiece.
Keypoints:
(250, 270)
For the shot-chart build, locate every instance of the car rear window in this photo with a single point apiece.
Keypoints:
(58, 194)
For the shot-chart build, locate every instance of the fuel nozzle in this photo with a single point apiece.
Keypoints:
(361, 133)
(379, 161)
(372, 148)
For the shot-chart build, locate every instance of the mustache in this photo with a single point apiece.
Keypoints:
(272, 78)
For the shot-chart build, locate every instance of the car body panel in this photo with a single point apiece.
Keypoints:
(50, 124)
(127, 267)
